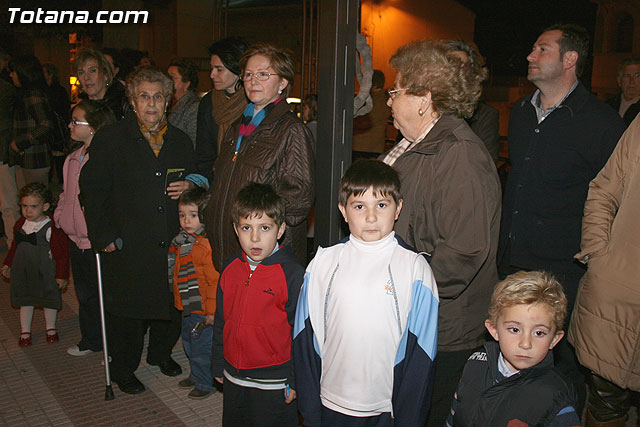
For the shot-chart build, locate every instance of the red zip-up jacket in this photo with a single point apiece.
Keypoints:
(254, 317)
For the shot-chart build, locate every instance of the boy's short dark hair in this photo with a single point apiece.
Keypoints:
(367, 173)
(256, 199)
(195, 196)
(529, 287)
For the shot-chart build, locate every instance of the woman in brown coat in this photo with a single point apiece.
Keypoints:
(605, 325)
(269, 145)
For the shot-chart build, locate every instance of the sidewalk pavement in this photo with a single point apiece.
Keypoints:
(42, 385)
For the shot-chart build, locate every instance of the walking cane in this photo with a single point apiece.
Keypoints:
(108, 393)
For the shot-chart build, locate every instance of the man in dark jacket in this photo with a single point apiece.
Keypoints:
(559, 139)
(627, 103)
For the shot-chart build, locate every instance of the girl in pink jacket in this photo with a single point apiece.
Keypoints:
(86, 118)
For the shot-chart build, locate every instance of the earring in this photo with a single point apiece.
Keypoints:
(420, 112)
(280, 92)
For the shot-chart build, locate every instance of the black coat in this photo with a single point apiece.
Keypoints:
(631, 112)
(534, 395)
(552, 164)
(123, 192)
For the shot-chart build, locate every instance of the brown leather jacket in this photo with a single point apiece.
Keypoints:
(278, 152)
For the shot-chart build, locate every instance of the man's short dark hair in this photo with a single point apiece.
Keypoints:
(364, 174)
(256, 199)
(195, 196)
(574, 38)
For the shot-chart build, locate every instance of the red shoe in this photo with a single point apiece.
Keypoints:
(51, 338)
(25, 339)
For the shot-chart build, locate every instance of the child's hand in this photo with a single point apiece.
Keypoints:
(6, 271)
(208, 320)
(219, 379)
(291, 397)
(61, 283)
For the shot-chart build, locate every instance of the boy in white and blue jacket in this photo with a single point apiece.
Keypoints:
(366, 324)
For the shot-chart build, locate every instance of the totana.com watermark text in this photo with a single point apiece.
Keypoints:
(40, 16)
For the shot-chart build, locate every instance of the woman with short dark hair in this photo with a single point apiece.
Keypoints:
(222, 106)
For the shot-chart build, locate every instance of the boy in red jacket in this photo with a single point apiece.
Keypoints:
(257, 297)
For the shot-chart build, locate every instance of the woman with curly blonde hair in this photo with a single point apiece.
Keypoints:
(451, 198)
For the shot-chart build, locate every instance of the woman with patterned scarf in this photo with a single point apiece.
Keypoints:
(222, 106)
(268, 145)
(129, 188)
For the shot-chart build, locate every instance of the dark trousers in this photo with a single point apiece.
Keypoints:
(448, 371)
(126, 340)
(336, 419)
(85, 281)
(252, 407)
(564, 355)
(607, 401)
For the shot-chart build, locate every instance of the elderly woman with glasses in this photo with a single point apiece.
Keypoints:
(451, 198)
(131, 211)
(267, 144)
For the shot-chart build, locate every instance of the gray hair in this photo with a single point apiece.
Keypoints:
(628, 61)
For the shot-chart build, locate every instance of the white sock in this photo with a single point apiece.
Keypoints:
(50, 315)
(26, 314)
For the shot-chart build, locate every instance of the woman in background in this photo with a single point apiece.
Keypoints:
(223, 104)
(183, 114)
(32, 124)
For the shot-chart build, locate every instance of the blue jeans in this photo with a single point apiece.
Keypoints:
(198, 351)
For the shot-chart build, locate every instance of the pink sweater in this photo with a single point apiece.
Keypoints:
(69, 215)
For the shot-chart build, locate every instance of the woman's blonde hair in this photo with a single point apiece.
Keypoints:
(428, 66)
(87, 53)
(529, 287)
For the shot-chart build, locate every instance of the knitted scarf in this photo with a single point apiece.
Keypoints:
(187, 279)
(154, 138)
(250, 122)
(226, 110)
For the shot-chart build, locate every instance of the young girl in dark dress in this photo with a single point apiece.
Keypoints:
(37, 263)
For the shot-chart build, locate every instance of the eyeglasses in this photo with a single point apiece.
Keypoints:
(260, 76)
(76, 123)
(146, 98)
(394, 92)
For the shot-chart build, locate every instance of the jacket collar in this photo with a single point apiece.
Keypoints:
(493, 351)
(572, 103)
(278, 111)
(431, 143)
(279, 257)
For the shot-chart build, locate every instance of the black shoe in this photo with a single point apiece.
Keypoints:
(186, 383)
(130, 385)
(168, 367)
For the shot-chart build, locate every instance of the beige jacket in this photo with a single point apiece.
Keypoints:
(605, 325)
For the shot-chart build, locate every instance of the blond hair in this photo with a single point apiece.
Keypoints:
(529, 287)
